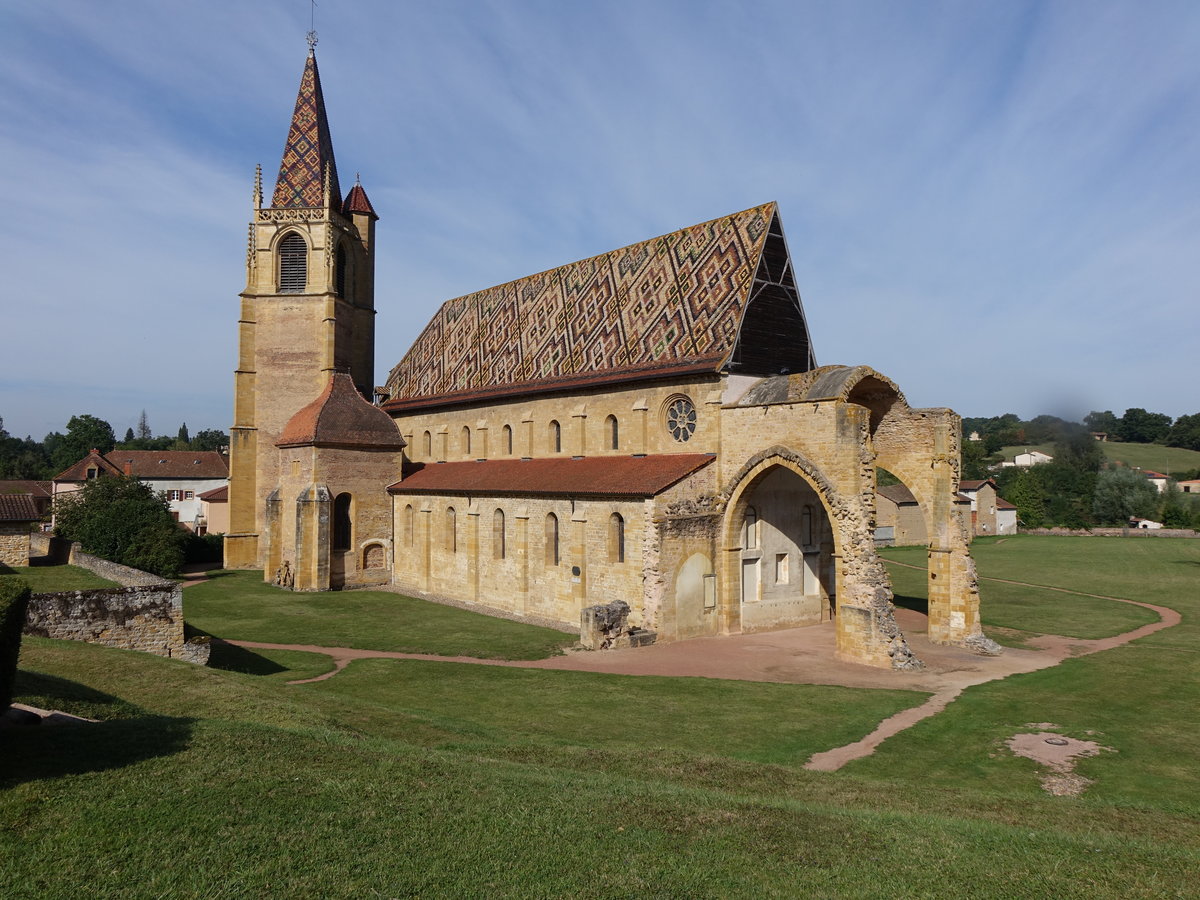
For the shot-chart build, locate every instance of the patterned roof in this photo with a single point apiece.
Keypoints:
(308, 150)
(340, 417)
(598, 476)
(673, 301)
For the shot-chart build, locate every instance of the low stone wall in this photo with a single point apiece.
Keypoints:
(1115, 532)
(145, 613)
(14, 544)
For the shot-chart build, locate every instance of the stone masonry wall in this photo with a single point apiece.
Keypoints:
(145, 613)
(14, 544)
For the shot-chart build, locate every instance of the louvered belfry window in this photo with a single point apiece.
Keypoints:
(293, 265)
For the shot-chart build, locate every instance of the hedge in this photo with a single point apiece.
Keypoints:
(14, 603)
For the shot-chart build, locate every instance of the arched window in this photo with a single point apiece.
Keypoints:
(408, 525)
(750, 529)
(451, 530)
(293, 264)
(339, 275)
(341, 522)
(498, 548)
(616, 538)
(555, 435)
(612, 430)
(551, 540)
(506, 439)
(427, 443)
(466, 441)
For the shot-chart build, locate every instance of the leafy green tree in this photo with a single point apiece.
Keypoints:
(1104, 421)
(128, 436)
(1174, 512)
(974, 462)
(1185, 433)
(182, 436)
(83, 434)
(1138, 426)
(1025, 491)
(210, 439)
(1121, 493)
(121, 519)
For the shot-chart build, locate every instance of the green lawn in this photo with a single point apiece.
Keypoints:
(1018, 609)
(240, 606)
(1155, 457)
(407, 778)
(48, 579)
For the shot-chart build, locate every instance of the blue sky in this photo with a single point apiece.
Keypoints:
(994, 204)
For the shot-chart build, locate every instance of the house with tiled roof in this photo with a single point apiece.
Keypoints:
(18, 516)
(39, 491)
(182, 475)
(648, 426)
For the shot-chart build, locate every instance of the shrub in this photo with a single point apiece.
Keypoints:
(14, 603)
(122, 520)
(202, 548)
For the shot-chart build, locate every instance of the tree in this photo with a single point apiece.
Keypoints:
(1104, 422)
(143, 428)
(128, 436)
(1026, 492)
(1185, 433)
(1140, 427)
(210, 439)
(182, 437)
(974, 465)
(84, 433)
(121, 519)
(1174, 513)
(1121, 493)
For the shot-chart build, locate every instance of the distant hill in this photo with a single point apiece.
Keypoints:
(1154, 457)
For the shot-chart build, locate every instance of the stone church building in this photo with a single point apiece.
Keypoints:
(648, 425)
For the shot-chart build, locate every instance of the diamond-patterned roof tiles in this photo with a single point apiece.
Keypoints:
(309, 149)
(674, 300)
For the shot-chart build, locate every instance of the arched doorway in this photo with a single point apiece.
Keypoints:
(785, 553)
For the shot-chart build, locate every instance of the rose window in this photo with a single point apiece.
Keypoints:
(681, 419)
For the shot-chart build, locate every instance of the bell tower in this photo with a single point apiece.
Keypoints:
(308, 309)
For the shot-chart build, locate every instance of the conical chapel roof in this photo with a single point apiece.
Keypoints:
(308, 152)
(340, 417)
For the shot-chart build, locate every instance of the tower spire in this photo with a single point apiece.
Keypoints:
(308, 153)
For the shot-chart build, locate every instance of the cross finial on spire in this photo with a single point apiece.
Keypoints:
(311, 37)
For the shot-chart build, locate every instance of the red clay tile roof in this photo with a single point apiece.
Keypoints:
(974, 485)
(154, 464)
(18, 508)
(216, 495)
(596, 476)
(340, 417)
(356, 202)
(1150, 474)
(78, 472)
(1001, 503)
(897, 493)
(18, 486)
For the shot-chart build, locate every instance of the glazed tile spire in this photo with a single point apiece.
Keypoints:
(308, 152)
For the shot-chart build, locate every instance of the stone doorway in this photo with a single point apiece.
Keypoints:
(786, 554)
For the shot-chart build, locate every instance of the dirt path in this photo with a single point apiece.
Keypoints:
(799, 656)
(1055, 649)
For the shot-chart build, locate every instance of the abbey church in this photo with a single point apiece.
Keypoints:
(648, 425)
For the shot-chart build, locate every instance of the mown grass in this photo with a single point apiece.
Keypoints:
(237, 605)
(48, 579)
(1017, 608)
(1155, 457)
(399, 778)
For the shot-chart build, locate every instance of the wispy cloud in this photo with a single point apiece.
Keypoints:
(1001, 191)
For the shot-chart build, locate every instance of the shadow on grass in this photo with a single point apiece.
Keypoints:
(916, 604)
(229, 658)
(50, 751)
